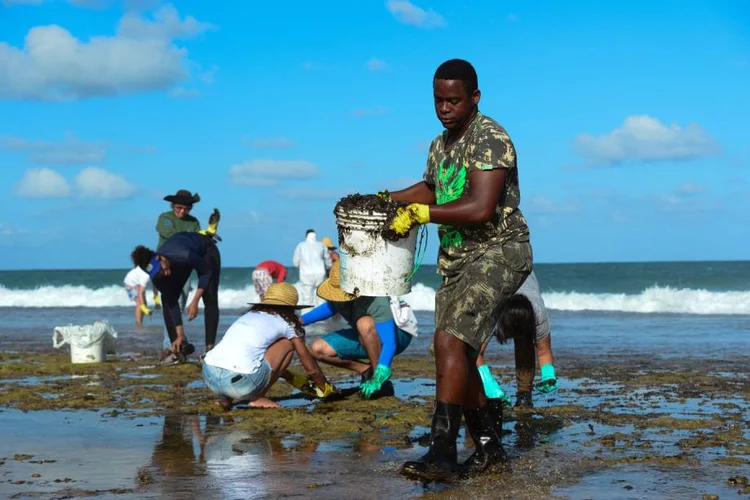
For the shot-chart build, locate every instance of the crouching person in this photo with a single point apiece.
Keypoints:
(258, 348)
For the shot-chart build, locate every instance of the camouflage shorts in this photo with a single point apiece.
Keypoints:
(467, 305)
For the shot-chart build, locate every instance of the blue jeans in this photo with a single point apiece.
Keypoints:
(238, 386)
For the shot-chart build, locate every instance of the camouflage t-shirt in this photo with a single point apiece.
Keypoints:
(484, 146)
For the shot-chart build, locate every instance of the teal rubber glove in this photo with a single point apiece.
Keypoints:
(382, 373)
(491, 388)
(548, 382)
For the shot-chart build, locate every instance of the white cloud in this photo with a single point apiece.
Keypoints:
(42, 183)
(71, 151)
(94, 182)
(268, 172)
(142, 56)
(183, 93)
(370, 111)
(376, 64)
(647, 139)
(407, 13)
(269, 143)
(689, 188)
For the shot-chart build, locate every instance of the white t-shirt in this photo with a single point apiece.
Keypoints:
(136, 277)
(245, 343)
(530, 290)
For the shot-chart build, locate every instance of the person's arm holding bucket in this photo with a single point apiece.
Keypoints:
(421, 192)
(477, 207)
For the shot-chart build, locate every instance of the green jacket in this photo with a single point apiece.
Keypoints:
(168, 224)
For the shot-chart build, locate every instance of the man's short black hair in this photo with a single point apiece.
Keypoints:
(458, 69)
(309, 231)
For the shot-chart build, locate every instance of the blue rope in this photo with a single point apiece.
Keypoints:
(421, 250)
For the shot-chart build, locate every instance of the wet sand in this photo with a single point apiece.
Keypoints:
(621, 426)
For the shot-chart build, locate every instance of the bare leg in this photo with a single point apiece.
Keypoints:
(138, 317)
(324, 353)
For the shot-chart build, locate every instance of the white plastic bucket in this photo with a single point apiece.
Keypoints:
(87, 353)
(370, 265)
(88, 343)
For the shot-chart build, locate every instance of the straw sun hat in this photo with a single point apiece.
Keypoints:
(331, 290)
(281, 294)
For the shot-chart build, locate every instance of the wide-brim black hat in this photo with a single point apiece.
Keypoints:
(183, 197)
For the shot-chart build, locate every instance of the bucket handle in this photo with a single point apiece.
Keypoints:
(421, 249)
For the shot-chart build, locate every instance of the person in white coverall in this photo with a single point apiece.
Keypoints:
(313, 260)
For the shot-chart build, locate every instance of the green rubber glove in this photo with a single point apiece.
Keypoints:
(491, 388)
(382, 373)
(548, 382)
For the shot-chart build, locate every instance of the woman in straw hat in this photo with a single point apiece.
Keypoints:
(258, 348)
(371, 341)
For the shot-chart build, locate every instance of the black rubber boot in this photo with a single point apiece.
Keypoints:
(523, 400)
(439, 463)
(485, 426)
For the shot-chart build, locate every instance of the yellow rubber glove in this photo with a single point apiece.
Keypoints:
(329, 390)
(213, 224)
(407, 217)
(145, 309)
(157, 300)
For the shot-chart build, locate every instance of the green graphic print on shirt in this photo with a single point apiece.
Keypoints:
(449, 187)
(485, 145)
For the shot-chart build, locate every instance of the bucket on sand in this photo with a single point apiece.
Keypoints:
(371, 265)
(88, 343)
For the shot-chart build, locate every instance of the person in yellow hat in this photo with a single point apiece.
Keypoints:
(331, 249)
(370, 343)
(258, 348)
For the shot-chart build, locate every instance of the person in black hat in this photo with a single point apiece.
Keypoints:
(175, 221)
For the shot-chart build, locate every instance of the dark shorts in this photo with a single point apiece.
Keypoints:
(346, 343)
(467, 305)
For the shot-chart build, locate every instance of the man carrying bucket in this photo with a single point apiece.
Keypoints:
(470, 189)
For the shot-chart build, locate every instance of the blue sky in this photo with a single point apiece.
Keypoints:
(629, 118)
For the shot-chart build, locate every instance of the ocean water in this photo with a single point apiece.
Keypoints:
(706, 305)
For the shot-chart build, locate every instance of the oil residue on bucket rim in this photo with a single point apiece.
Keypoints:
(373, 205)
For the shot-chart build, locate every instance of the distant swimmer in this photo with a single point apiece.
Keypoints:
(136, 282)
(372, 339)
(313, 260)
(178, 220)
(169, 268)
(264, 275)
(331, 248)
(258, 348)
(524, 319)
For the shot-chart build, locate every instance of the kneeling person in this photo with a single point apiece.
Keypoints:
(372, 336)
(258, 348)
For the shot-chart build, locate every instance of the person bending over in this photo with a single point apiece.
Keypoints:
(169, 268)
(258, 348)
(524, 319)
